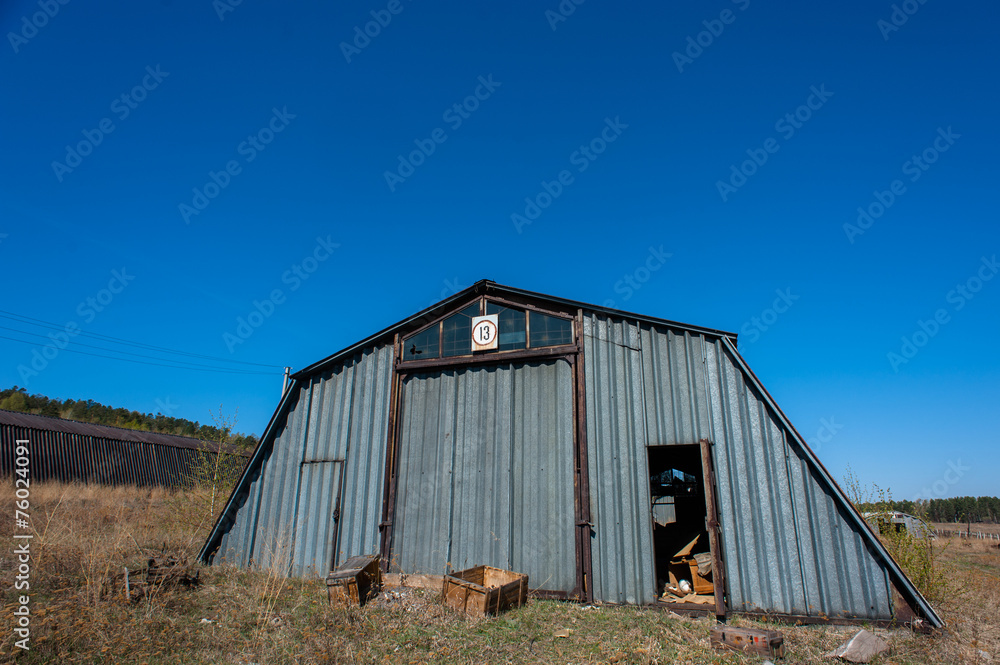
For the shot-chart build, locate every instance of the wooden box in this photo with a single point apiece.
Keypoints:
(485, 590)
(768, 643)
(687, 569)
(684, 565)
(355, 582)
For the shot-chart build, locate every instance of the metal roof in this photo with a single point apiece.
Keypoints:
(487, 287)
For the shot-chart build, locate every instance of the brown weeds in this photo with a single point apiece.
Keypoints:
(86, 536)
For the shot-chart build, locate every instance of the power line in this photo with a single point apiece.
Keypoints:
(118, 340)
(127, 353)
(220, 370)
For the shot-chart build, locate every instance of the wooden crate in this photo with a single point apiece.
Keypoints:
(355, 581)
(687, 568)
(485, 590)
(768, 643)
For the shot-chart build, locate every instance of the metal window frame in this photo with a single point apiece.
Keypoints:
(489, 357)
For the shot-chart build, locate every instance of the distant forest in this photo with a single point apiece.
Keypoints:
(89, 411)
(960, 509)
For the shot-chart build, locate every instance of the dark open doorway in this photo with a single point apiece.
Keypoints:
(680, 507)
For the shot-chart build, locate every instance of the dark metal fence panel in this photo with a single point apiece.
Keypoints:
(77, 452)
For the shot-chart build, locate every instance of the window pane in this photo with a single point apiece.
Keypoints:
(550, 331)
(512, 327)
(456, 332)
(422, 345)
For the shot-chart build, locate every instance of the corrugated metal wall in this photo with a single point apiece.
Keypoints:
(648, 386)
(332, 440)
(71, 456)
(819, 566)
(486, 472)
(622, 546)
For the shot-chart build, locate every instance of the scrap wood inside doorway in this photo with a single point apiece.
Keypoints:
(683, 549)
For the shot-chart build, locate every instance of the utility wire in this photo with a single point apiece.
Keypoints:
(127, 353)
(118, 340)
(220, 370)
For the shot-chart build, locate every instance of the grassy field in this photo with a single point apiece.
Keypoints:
(85, 537)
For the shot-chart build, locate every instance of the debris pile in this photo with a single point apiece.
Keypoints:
(690, 577)
(859, 649)
(160, 572)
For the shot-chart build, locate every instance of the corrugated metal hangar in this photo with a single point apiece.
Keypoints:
(593, 449)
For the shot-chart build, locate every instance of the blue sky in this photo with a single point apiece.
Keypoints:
(177, 162)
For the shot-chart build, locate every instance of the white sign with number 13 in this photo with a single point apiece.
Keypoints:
(485, 332)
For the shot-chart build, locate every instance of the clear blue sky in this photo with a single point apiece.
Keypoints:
(648, 129)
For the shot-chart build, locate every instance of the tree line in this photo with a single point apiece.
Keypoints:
(89, 411)
(956, 509)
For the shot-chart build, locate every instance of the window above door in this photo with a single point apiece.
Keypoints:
(518, 329)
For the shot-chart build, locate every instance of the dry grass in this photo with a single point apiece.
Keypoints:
(85, 536)
(980, 527)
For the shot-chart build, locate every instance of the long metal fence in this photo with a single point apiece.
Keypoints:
(967, 533)
(69, 451)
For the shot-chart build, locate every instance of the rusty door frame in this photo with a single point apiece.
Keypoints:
(711, 520)
(712, 525)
